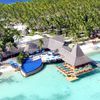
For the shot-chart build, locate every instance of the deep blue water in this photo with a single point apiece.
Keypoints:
(11, 1)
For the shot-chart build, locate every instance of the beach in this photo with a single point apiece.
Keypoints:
(89, 47)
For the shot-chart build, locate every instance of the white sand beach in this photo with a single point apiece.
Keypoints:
(6, 70)
(90, 47)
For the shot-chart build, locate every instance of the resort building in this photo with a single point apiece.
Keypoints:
(75, 57)
(56, 43)
(73, 61)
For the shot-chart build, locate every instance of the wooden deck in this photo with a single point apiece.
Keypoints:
(81, 73)
(69, 78)
(62, 72)
(72, 76)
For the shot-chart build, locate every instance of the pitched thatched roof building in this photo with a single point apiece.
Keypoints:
(78, 56)
(75, 57)
(56, 43)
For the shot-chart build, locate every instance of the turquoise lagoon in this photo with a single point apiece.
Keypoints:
(49, 84)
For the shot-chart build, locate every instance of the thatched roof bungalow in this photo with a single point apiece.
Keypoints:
(74, 57)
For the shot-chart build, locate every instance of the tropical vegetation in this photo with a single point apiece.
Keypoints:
(66, 17)
(7, 37)
(22, 56)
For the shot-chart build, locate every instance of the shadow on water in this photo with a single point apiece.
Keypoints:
(95, 71)
(63, 96)
(98, 61)
(8, 80)
(19, 97)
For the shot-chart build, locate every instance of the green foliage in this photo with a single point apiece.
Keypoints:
(21, 57)
(7, 37)
(74, 16)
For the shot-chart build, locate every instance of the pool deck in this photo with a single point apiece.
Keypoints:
(85, 72)
(74, 76)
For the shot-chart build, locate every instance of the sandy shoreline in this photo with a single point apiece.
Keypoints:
(90, 47)
(6, 70)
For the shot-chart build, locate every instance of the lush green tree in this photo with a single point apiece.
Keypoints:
(72, 16)
(21, 57)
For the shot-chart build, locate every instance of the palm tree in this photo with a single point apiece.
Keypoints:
(46, 13)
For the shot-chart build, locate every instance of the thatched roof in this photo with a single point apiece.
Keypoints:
(76, 57)
(59, 38)
(45, 42)
(56, 42)
(31, 47)
(67, 48)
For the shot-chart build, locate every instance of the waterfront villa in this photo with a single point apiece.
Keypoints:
(75, 62)
(75, 57)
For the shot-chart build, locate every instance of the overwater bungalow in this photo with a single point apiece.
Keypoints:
(74, 59)
(77, 62)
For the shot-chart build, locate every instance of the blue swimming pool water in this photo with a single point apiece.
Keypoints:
(11, 1)
(29, 65)
(49, 84)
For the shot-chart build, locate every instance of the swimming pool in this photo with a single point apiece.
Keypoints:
(49, 84)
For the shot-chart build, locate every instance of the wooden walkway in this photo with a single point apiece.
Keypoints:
(69, 78)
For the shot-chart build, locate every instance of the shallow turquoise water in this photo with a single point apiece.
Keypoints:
(49, 84)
